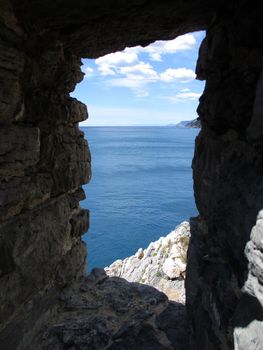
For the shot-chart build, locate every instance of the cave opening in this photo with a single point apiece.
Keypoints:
(140, 101)
(47, 301)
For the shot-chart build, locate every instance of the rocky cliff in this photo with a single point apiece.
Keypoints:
(44, 161)
(161, 265)
(194, 124)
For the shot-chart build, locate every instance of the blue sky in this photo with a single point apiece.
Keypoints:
(143, 86)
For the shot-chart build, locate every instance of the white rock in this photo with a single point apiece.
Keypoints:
(139, 254)
(171, 269)
(163, 258)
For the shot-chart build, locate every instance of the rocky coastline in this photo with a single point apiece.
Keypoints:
(161, 265)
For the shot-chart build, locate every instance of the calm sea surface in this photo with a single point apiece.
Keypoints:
(141, 188)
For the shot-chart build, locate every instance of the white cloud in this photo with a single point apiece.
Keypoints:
(180, 74)
(132, 82)
(183, 96)
(155, 56)
(106, 69)
(117, 58)
(181, 43)
(136, 83)
(136, 78)
(185, 90)
(188, 96)
(125, 69)
(88, 72)
(142, 68)
(108, 64)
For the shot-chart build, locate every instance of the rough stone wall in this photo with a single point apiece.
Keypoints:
(228, 184)
(44, 158)
(44, 161)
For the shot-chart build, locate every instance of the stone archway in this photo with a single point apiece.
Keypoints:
(44, 158)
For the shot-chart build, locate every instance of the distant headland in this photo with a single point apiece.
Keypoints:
(188, 124)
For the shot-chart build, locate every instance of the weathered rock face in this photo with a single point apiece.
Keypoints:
(45, 160)
(161, 265)
(194, 124)
(228, 184)
(249, 314)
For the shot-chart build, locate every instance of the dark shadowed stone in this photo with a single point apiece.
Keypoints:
(19, 148)
(123, 22)
(72, 265)
(134, 323)
(45, 160)
(139, 336)
(67, 157)
(122, 294)
(76, 197)
(75, 302)
(79, 222)
(32, 268)
(150, 294)
(98, 275)
(227, 171)
(119, 294)
(18, 193)
(11, 66)
(173, 321)
(89, 333)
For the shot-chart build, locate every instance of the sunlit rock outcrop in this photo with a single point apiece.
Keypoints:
(161, 265)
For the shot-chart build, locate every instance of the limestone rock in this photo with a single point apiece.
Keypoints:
(161, 265)
(248, 323)
(173, 267)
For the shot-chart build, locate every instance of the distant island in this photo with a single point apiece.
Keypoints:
(189, 124)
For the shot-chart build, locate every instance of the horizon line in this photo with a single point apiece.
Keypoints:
(129, 125)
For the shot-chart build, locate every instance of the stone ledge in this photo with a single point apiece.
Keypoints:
(110, 313)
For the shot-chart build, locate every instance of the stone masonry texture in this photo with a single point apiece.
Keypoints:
(45, 160)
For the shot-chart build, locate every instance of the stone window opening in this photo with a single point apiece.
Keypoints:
(172, 76)
(46, 301)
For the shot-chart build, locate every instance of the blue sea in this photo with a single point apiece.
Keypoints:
(141, 188)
